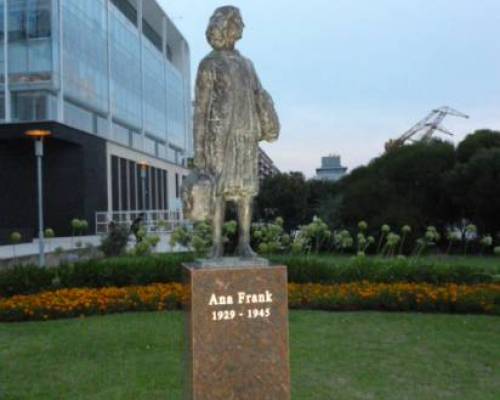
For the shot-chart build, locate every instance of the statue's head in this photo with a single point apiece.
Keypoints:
(225, 28)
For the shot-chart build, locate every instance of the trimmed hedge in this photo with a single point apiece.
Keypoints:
(321, 269)
(129, 271)
(120, 272)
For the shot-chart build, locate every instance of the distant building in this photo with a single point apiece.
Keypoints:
(331, 169)
(266, 165)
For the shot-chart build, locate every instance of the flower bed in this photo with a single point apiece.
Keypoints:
(67, 303)
(450, 298)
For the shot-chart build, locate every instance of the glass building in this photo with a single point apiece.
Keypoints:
(331, 169)
(115, 72)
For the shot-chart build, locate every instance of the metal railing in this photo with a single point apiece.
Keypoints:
(160, 221)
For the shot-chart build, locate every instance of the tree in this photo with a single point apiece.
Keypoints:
(322, 201)
(474, 188)
(283, 195)
(404, 187)
(475, 142)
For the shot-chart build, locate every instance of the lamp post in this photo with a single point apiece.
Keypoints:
(144, 167)
(38, 135)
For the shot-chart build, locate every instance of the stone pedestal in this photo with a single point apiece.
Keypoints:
(237, 333)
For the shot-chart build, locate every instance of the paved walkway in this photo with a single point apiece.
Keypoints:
(70, 243)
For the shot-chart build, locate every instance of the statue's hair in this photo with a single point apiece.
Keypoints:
(217, 27)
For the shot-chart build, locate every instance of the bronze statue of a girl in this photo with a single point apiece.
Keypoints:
(232, 114)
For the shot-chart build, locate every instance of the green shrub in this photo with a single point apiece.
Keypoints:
(115, 242)
(15, 237)
(197, 238)
(313, 269)
(343, 240)
(119, 271)
(25, 280)
(49, 233)
(317, 234)
(270, 238)
(164, 268)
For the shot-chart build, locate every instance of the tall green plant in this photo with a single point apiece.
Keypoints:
(270, 238)
(343, 240)
(363, 243)
(316, 233)
(384, 231)
(197, 237)
(49, 235)
(470, 234)
(486, 242)
(15, 238)
(115, 242)
(430, 238)
(390, 244)
(405, 231)
(452, 236)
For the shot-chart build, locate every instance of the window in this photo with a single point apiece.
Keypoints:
(170, 54)
(126, 9)
(149, 146)
(151, 34)
(17, 20)
(177, 186)
(136, 140)
(121, 134)
(162, 151)
(30, 106)
(29, 19)
(78, 117)
(85, 53)
(38, 18)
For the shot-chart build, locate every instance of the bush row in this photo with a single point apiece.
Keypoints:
(67, 303)
(120, 272)
(320, 269)
(128, 271)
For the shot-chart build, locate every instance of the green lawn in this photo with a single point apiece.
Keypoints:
(335, 356)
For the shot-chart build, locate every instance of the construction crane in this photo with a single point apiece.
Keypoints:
(429, 125)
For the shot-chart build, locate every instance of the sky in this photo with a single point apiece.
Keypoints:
(348, 75)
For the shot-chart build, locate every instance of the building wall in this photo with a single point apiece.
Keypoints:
(82, 174)
(266, 165)
(118, 69)
(125, 185)
(331, 169)
(111, 80)
(73, 179)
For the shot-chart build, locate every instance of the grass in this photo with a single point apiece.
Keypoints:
(341, 356)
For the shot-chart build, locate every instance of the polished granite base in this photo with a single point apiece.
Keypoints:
(237, 331)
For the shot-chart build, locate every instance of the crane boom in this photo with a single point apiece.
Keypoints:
(429, 125)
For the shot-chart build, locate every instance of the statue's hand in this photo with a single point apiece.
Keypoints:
(269, 121)
(270, 138)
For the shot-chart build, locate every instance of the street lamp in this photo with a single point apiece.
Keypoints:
(38, 135)
(144, 167)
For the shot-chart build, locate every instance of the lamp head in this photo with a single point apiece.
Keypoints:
(38, 133)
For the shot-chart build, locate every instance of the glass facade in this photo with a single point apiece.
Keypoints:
(123, 72)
